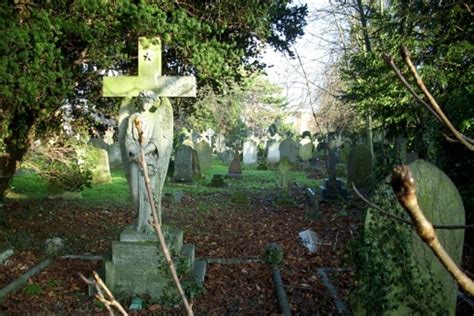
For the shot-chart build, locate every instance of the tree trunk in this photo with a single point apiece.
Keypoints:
(16, 146)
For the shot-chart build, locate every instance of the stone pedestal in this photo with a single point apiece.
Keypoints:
(331, 189)
(137, 265)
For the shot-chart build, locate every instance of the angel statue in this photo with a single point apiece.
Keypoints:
(156, 120)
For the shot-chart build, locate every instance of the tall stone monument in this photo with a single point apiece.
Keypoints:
(137, 265)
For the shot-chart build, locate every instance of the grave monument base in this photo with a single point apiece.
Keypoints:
(333, 190)
(137, 265)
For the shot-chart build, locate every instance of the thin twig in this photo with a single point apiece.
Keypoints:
(389, 61)
(401, 219)
(108, 299)
(156, 223)
(432, 101)
(404, 187)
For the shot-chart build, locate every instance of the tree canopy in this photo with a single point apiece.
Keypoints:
(54, 52)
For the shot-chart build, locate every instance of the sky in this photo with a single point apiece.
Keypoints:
(315, 52)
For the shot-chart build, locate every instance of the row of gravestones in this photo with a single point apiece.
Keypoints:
(276, 150)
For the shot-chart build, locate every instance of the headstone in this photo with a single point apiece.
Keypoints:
(442, 204)
(284, 166)
(250, 152)
(235, 169)
(359, 167)
(289, 150)
(273, 152)
(217, 181)
(346, 150)
(220, 143)
(183, 164)
(137, 266)
(204, 152)
(306, 149)
(115, 156)
(332, 187)
(99, 159)
(227, 156)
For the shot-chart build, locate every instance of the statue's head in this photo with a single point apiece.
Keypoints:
(147, 99)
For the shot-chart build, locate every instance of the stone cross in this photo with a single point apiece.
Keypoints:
(149, 79)
(149, 76)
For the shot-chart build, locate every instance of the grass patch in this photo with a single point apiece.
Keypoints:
(32, 186)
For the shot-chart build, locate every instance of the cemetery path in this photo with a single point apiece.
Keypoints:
(219, 229)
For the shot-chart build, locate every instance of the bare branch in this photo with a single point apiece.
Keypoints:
(156, 223)
(432, 102)
(108, 299)
(404, 187)
(401, 219)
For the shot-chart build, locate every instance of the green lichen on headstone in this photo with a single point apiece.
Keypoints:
(400, 275)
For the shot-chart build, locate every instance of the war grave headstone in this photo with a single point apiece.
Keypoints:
(441, 203)
(333, 187)
(137, 265)
(359, 167)
(305, 150)
(250, 152)
(204, 152)
(235, 169)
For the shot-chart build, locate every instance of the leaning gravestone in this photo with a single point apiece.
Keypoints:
(204, 152)
(99, 159)
(359, 167)
(137, 265)
(413, 276)
(250, 152)
(289, 150)
(306, 149)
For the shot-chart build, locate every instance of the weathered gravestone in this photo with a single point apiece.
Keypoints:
(115, 156)
(137, 265)
(204, 152)
(250, 152)
(235, 169)
(359, 167)
(333, 187)
(289, 150)
(306, 149)
(273, 152)
(227, 156)
(346, 150)
(99, 159)
(413, 280)
(186, 164)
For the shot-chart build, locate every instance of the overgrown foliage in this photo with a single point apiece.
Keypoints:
(386, 270)
(54, 52)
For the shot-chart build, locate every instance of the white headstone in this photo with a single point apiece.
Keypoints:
(250, 152)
